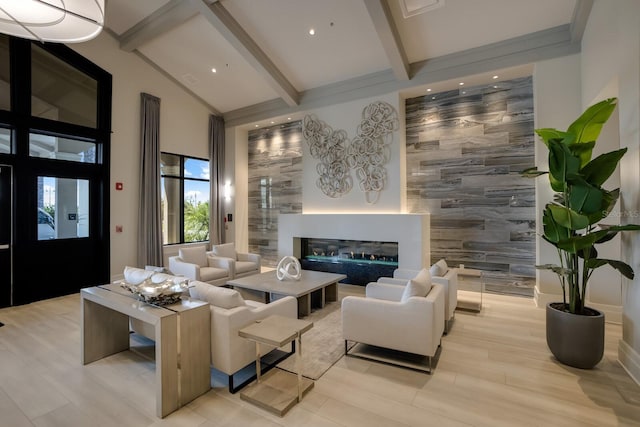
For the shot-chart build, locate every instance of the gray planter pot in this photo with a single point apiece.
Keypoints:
(575, 340)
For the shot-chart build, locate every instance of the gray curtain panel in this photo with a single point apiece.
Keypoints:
(216, 166)
(149, 220)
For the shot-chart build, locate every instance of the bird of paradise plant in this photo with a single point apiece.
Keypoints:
(571, 221)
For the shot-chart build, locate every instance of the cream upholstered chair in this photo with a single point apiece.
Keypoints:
(441, 274)
(408, 319)
(230, 313)
(243, 264)
(195, 264)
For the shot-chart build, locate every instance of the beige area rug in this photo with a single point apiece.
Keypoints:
(322, 345)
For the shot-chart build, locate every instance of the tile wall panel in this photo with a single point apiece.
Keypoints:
(464, 155)
(275, 184)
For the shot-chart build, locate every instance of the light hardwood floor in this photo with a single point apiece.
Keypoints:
(494, 370)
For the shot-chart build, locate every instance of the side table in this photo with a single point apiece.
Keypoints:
(470, 289)
(279, 390)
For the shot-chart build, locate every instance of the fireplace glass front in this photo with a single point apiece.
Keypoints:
(361, 261)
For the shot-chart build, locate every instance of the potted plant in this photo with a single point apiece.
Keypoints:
(571, 222)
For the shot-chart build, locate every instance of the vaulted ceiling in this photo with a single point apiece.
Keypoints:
(268, 64)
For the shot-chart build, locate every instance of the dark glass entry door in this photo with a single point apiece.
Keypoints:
(5, 236)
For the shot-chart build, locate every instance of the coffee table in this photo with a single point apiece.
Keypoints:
(314, 289)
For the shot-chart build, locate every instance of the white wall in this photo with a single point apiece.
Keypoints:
(183, 130)
(556, 95)
(611, 63)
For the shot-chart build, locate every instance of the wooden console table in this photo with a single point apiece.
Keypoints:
(181, 333)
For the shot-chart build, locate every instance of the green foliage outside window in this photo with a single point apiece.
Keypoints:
(196, 221)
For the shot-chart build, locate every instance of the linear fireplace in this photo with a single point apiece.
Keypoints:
(363, 234)
(361, 261)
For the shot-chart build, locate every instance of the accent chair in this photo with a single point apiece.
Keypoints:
(229, 313)
(408, 319)
(241, 263)
(196, 264)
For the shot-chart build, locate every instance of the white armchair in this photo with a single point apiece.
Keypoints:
(243, 263)
(230, 313)
(195, 264)
(396, 318)
(448, 279)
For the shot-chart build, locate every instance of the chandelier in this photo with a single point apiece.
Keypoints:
(61, 21)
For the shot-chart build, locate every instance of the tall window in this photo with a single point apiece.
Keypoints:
(55, 130)
(185, 199)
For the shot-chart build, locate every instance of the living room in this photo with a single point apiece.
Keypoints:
(564, 81)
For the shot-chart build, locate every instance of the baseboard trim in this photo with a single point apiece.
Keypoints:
(629, 359)
(612, 313)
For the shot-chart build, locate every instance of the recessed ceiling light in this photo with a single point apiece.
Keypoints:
(312, 32)
(288, 118)
(257, 125)
(213, 70)
(272, 122)
(495, 77)
(461, 83)
(429, 90)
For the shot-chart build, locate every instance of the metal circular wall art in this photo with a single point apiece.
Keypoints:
(329, 147)
(366, 154)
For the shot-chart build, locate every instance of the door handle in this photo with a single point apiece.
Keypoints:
(4, 246)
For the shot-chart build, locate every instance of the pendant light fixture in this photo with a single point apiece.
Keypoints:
(60, 21)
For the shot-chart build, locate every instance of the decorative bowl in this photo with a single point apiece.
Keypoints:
(163, 293)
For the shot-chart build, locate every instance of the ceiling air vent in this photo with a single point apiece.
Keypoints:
(416, 7)
(190, 79)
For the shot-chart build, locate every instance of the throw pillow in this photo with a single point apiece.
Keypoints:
(424, 278)
(414, 288)
(195, 255)
(217, 296)
(435, 270)
(135, 276)
(226, 250)
(442, 264)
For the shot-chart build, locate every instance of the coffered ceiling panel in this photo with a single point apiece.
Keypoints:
(465, 24)
(345, 44)
(124, 14)
(190, 51)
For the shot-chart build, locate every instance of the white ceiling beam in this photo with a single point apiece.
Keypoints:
(169, 16)
(581, 13)
(389, 37)
(231, 30)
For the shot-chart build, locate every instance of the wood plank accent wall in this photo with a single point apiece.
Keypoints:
(275, 184)
(465, 149)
